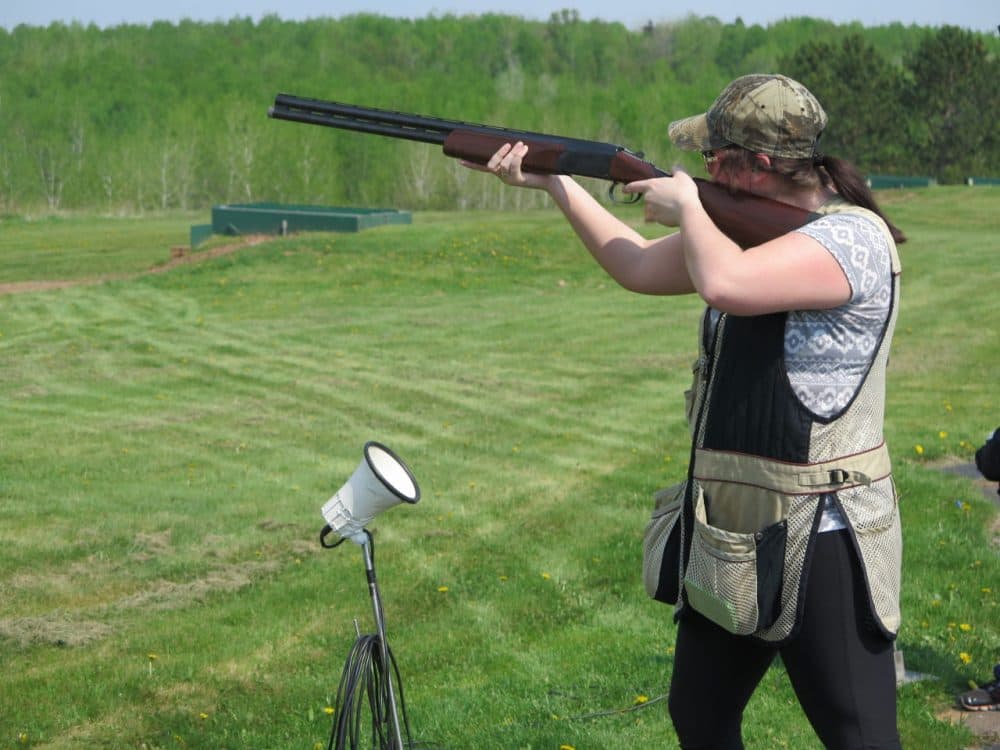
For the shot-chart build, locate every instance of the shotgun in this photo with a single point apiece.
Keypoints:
(746, 218)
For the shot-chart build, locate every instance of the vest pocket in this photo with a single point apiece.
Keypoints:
(735, 579)
(661, 545)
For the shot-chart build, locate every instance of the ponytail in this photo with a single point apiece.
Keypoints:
(852, 187)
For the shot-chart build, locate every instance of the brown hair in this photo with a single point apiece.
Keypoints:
(824, 170)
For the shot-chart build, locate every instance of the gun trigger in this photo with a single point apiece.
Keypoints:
(634, 198)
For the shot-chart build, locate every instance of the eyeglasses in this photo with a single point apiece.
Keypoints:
(710, 157)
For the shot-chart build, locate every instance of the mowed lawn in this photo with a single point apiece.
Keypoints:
(168, 439)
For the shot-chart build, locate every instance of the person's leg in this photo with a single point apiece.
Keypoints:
(715, 673)
(840, 665)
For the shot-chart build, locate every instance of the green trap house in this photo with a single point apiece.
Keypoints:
(281, 219)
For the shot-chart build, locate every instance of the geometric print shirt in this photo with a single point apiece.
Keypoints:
(828, 352)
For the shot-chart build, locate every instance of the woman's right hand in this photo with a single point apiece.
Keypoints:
(506, 164)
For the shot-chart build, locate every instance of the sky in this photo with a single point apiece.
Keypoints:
(978, 15)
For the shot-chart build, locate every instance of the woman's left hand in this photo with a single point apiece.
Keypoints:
(665, 197)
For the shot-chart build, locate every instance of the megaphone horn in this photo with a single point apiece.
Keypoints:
(380, 482)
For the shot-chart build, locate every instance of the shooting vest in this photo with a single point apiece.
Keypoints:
(734, 540)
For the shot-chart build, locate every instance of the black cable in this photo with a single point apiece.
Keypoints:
(365, 675)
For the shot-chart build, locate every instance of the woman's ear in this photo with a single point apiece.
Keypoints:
(761, 163)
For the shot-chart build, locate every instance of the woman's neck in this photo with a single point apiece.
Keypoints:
(809, 198)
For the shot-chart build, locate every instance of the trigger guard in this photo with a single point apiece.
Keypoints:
(635, 197)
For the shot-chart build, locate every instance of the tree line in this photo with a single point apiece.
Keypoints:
(173, 116)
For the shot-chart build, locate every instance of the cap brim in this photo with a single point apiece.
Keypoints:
(693, 134)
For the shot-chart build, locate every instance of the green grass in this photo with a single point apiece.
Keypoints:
(168, 440)
(83, 247)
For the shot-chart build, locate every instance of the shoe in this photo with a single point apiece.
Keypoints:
(985, 697)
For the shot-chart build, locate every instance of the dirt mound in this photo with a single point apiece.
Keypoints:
(178, 257)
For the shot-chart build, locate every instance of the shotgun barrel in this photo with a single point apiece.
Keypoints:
(471, 141)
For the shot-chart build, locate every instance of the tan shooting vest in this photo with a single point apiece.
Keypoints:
(734, 539)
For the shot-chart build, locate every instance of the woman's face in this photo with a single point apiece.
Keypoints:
(714, 166)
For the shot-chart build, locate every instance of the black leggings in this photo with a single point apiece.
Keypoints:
(840, 666)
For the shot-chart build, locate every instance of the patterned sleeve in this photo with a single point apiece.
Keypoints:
(860, 247)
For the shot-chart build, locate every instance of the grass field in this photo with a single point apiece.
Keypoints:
(168, 440)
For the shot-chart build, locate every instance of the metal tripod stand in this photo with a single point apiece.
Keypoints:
(370, 660)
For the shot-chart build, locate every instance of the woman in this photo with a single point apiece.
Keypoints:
(785, 538)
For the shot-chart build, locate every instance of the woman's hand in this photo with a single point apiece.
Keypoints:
(506, 164)
(665, 197)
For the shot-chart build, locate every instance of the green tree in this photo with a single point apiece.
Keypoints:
(862, 94)
(955, 99)
(134, 117)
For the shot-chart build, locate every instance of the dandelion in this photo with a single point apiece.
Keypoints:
(329, 710)
(965, 627)
(443, 589)
(985, 590)
(943, 434)
(566, 747)
(966, 658)
(640, 699)
(203, 716)
(546, 576)
(151, 657)
(918, 449)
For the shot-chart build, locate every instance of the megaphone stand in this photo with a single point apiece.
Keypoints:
(371, 667)
(362, 663)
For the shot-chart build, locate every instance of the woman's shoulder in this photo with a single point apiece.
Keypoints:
(837, 213)
(861, 244)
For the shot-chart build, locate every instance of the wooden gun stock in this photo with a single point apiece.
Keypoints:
(749, 219)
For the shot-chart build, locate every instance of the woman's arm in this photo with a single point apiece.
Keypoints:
(792, 272)
(638, 264)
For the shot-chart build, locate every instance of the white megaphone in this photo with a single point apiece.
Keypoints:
(380, 482)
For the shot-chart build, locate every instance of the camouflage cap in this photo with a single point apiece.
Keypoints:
(767, 114)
